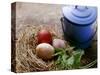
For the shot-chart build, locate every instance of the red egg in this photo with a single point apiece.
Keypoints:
(44, 36)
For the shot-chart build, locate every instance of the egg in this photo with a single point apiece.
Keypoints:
(45, 51)
(59, 43)
(44, 36)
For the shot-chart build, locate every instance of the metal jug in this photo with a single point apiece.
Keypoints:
(79, 24)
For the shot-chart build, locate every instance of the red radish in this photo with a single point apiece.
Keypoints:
(44, 36)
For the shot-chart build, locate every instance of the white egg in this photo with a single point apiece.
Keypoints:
(58, 43)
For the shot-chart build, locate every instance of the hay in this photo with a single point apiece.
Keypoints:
(26, 42)
(26, 59)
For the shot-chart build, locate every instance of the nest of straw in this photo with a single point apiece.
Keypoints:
(26, 59)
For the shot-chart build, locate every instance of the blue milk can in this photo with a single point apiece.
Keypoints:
(79, 24)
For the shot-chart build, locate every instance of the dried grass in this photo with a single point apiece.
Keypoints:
(26, 60)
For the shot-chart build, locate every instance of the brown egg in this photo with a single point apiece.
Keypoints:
(44, 51)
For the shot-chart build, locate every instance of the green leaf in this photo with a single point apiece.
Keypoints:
(70, 61)
(77, 58)
(58, 60)
(58, 53)
(69, 48)
(64, 58)
(58, 50)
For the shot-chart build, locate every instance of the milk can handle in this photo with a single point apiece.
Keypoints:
(62, 22)
(77, 6)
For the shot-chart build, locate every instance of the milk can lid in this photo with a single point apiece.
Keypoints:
(81, 15)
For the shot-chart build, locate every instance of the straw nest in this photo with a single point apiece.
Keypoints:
(26, 59)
